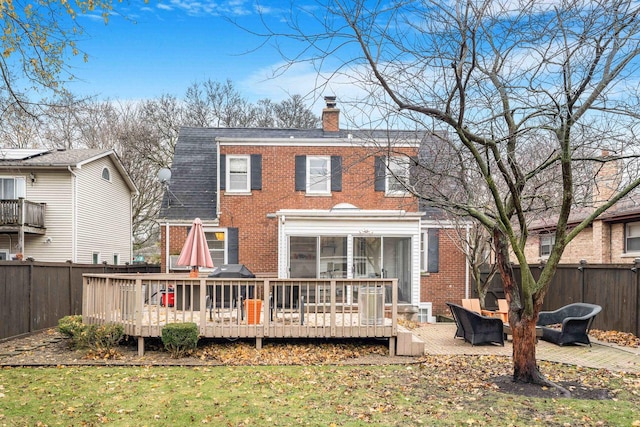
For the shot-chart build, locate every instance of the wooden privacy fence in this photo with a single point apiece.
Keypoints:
(614, 287)
(35, 295)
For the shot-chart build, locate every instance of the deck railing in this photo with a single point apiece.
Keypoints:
(22, 212)
(237, 308)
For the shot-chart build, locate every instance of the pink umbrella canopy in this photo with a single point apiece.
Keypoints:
(195, 252)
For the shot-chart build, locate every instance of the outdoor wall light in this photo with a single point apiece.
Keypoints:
(32, 177)
(583, 262)
(271, 215)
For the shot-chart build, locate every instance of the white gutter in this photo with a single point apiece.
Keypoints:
(74, 215)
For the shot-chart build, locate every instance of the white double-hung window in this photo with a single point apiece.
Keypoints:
(398, 176)
(546, 244)
(12, 188)
(238, 174)
(318, 174)
(632, 237)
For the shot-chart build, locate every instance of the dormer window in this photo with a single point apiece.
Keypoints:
(106, 175)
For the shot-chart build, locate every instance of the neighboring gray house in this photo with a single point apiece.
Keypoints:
(65, 205)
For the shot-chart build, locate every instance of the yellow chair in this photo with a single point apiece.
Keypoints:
(472, 304)
(503, 311)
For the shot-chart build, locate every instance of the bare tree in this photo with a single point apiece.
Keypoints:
(293, 113)
(37, 39)
(217, 104)
(502, 78)
(19, 129)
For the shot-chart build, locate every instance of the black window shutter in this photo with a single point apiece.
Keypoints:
(433, 248)
(223, 172)
(379, 173)
(301, 173)
(336, 173)
(256, 171)
(232, 246)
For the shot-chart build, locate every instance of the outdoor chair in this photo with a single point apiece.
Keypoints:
(472, 304)
(501, 313)
(576, 320)
(476, 328)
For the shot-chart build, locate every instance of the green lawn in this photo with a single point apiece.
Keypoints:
(441, 391)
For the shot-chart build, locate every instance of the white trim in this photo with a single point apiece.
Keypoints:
(74, 215)
(316, 142)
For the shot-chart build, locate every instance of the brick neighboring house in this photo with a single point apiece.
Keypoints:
(613, 238)
(311, 203)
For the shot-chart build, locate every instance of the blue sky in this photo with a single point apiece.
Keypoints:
(174, 43)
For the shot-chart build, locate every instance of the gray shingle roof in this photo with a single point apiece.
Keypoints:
(55, 158)
(60, 159)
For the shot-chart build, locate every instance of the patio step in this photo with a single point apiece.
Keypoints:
(408, 344)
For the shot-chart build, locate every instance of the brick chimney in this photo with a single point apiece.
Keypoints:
(607, 180)
(330, 115)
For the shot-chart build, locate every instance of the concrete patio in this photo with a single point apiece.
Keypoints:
(439, 339)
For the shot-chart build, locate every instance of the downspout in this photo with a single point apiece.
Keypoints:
(74, 216)
(467, 273)
(130, 230)
(218, 180)
(166, 248)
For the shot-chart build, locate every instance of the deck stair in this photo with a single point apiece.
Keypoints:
(408, 344)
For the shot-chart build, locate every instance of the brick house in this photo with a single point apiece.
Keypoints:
(613, 238)
(309, 203)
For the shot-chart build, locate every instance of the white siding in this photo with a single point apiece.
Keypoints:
(55, 189)
(103, 214)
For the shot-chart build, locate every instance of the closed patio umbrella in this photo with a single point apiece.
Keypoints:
(195, 252)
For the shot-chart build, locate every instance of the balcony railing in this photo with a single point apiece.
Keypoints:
(21, 212)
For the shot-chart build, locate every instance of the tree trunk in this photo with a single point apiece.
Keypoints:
(525, 368)
(523, 325)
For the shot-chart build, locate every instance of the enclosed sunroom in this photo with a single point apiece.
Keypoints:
(347, 242)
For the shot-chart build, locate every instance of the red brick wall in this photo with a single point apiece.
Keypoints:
(448, 284)
(258, 234)
(177, 237)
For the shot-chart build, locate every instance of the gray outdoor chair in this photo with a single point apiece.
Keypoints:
(575, 320)
(475, 328)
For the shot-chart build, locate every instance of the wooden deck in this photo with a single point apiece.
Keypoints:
(224, 308)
